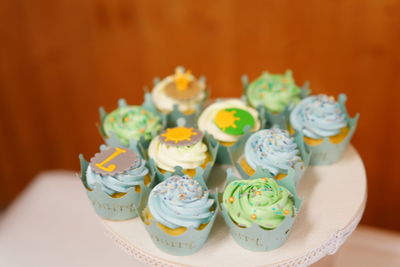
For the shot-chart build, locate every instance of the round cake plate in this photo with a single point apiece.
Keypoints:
(334, 201)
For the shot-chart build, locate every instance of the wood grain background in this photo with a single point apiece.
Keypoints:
(60, 60)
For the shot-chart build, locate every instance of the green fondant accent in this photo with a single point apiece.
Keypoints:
(244, 119)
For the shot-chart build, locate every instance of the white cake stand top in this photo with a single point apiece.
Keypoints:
(334, 201)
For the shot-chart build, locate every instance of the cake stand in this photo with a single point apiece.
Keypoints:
(334, 201)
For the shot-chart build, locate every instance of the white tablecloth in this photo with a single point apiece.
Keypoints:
(52, 224)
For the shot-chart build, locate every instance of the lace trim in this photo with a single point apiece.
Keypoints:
(328, 248)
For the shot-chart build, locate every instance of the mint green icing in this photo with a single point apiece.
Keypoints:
(274, 91)
(130, 123)
(260, 201)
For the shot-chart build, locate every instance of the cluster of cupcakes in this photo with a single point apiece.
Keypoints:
(157, 159)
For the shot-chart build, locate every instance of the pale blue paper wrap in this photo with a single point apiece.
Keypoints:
(122, 208)
(191, 241)
(327, 153)
(255, 238)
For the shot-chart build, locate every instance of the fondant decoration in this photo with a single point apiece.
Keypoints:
(183, 87)
(234, 120)
(114, 160)
(181, 136)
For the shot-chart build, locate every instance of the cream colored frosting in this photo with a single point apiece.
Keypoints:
(166, 104)
(167, 156)
(206, 119)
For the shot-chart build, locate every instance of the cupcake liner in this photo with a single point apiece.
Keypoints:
(135, 145)
(107, 207)
(255, 238)
(191, 241)
(281, 119)
(327, 152)
(205, 172)
(295, 173)
(176, 117)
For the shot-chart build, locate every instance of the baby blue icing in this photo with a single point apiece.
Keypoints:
(111, 184)
(318, 116)
(272, 149)
(180, 201)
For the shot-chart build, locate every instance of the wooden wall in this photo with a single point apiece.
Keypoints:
(60, 60)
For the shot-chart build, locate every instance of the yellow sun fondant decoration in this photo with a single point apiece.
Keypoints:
(179, 134)
(182, 79)
(225, 119)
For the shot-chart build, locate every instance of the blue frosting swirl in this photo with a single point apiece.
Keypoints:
(318, 116)
(272, 149)
(180, 201)
(119, 183)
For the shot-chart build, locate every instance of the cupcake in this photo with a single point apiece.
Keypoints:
(180, 96)
(325, 125)
(116, 179)
(127, 125)
(179, 214)
(277, 94)
(275, 151)
(259, 212)
(227, 121)
(181, 147)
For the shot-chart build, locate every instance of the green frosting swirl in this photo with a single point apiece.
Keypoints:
(260, 201)
(274, 91)
(131, 122)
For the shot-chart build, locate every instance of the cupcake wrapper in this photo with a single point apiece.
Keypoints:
(281, 119)
(327, 153)
(176, 117)
(295, 173)
(190, 241)
(255, 238)
(136, 145)
(107, 207)
(205, 173)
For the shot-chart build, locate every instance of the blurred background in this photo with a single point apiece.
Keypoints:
(61, 60)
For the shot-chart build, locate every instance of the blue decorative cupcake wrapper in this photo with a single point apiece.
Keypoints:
(255, 238)
(296, 173)
(139, 146)
(107, 207)
(327, 153)
(281, 119)
(191, 241)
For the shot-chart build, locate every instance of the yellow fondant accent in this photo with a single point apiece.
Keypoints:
(225, 119)
(181, 79)
(336, 139)
(118, 195)
(253, 216)
(231, 199)
(147, 180)
(178, 134)
(110, 167)
(227, 143)
(280, 176)
(246, 167)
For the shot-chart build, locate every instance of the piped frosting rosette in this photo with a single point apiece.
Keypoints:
(116, 181)
(130, 126)
(229, 122)
(180, 214)
(275, 95)
(275, 151)
(182, 150)
(180, 97)
(259, 211)
(325, 126)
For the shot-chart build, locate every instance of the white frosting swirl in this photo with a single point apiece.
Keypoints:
(206, 119)
(167, 156)
(165, 103)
